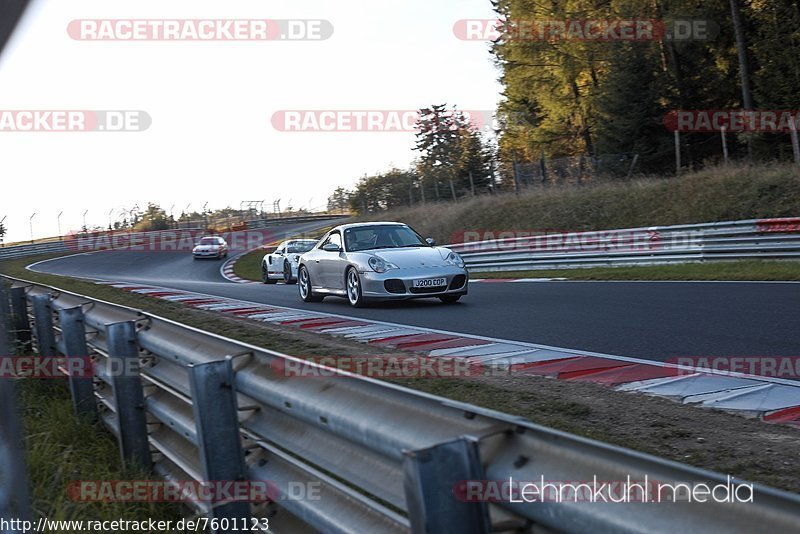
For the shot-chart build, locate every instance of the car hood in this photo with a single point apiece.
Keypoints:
(406, 258)
(206, 248)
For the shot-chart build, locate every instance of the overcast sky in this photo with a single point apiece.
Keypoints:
(211, 138)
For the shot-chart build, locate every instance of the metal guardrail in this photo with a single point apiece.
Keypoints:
(266, 223)
(74, 242)
(765, 239)
(385, 458)
(21, 251)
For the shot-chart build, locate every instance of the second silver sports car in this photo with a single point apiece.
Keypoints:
(386, 260)
(282, 263)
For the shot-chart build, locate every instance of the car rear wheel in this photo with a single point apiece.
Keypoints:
(287, 273)
(450, 299)
(304, 283)
(265, 275)
(353, 283)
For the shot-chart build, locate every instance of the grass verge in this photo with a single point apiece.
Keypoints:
(735, 270)
(62, 449)
(729, 444)
(248, 266)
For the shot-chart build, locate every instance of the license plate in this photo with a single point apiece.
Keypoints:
(430, 282)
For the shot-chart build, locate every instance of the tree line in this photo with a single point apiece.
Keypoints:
(453, 160)
(590, 99)
(573, 97)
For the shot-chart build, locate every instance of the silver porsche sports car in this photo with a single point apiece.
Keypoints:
(282, 263)
(383, 260)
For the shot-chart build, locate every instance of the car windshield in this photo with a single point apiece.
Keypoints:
(209, 241)
(298, 247)
(389, 236)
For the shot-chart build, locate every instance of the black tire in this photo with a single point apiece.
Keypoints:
(352, 284)
(287, 274)
(304, 285)
(265, 276)
(450, 299)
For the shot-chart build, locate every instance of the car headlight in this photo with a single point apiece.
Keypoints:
(455, 259)
(379, 265)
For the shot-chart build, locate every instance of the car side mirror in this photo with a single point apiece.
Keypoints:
(431, 241)
(331, 247)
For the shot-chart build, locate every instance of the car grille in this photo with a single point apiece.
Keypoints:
(458, 281)
(394, 285)
(421, 290)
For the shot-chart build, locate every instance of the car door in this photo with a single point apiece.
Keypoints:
(312, 261)
(275, 260)
(331, 264)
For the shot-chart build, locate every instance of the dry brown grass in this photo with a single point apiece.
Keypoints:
(713, 194)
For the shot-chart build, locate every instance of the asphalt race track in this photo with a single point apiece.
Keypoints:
(651, 320)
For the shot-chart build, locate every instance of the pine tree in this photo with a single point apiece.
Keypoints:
(630, 110)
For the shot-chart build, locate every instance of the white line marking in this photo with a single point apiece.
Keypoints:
(421, 329)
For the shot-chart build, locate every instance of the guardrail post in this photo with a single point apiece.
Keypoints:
(14, 492)
(216, 416)
(123, 366)
(19, 310)
(43, 324)
(73, 334)
(432, 478)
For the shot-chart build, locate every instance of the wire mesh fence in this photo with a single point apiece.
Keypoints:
(573, 170)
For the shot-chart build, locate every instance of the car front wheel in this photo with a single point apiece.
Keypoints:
(287, 274)
(304, 284)
(354, 294)
(265, 275)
